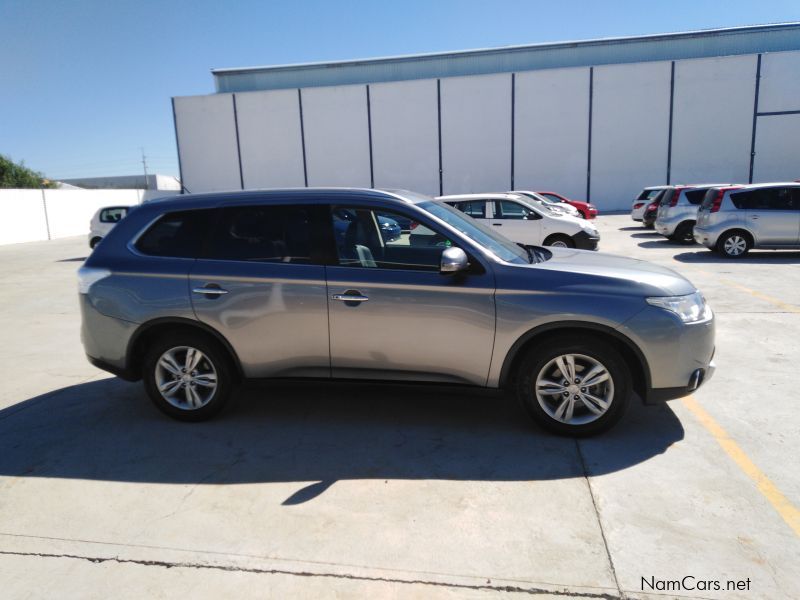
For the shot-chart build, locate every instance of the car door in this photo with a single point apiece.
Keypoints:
(771, 215)
(393, 315)
(517, 222)
(261, 284)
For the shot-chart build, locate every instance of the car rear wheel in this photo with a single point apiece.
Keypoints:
(187, 376)
(559, 240)
(684, 233)
(734, 244)
(94, 242)
(576, 386)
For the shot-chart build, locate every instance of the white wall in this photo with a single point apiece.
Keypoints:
(630, 131)
(405, 138)
(22, 216)
(337, 136)
(777, 149)
(25, 215)
(713, 119)
(207, 143)
(476, 134)
(779, 89)
(711, 133)
(551, 124)
(269, 139)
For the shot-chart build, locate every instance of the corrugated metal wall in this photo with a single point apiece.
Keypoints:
(600, 132)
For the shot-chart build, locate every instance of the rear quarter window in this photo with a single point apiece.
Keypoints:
(113, 214)
(177, 234)
(695, 196)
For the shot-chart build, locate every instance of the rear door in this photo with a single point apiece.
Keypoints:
(261, 284)
(517, 222)
(772, 215)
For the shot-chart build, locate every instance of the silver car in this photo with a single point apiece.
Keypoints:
(677, 211)
(193, 295)
(645, 197)
(734, 219)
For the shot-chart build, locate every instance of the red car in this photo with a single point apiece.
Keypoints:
(587, 210)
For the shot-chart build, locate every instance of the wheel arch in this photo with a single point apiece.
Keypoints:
(739, 229)
(634, 357)
(150, 330)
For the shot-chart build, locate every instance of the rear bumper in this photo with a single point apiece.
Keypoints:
(705, 237)
(584, 241)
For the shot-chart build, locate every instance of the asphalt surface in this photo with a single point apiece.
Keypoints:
(320, 490)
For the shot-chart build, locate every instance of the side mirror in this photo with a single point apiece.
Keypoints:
(454, 260)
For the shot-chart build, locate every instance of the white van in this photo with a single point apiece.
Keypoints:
(103, 221)
(523, 222)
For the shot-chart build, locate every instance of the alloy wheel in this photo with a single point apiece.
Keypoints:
(186, 378)
(574, 389)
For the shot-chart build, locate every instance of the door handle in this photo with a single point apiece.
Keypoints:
(497, 224)
(754, 217)
(211, 291)
(349, 297)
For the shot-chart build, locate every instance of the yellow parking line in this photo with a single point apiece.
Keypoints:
(779, 502)
(775, 301)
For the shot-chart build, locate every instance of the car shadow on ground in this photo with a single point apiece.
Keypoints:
(78, 259)
(648, 234)
(312, 432)
(772, 257)
(665, 243)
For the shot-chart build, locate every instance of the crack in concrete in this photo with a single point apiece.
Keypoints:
(258, 571)
(599, 522)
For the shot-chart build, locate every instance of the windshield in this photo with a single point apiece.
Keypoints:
(501, 247)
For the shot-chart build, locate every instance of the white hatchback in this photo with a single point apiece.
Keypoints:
(523, 222)
(103, 221)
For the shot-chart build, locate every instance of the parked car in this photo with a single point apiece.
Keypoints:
(677, 211)
(194, 295)
(390, 229)
(586, 209)
(102, 222)
(650, 213)
(645, 197)
(734, 219)
(518, 219)
(539, 200)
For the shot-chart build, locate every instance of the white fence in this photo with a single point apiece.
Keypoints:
(36, 215)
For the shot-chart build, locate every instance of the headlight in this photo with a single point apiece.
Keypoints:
(691, 308)
(87, 276)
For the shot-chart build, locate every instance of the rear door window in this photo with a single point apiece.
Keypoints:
(269, 233)
(779, 198)
(649, 194)
(177, 234)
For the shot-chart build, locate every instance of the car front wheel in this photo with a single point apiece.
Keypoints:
(187, 377)
(575, 386)
(559, 240)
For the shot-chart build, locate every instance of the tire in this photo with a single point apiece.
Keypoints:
(94, 242)
(684, 233)
(734, 244)
(550, 410)
(559, 240)
(213, 365)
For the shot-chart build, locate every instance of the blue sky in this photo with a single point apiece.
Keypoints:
(84, 84)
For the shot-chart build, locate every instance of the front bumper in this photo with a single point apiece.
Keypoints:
(585, 241)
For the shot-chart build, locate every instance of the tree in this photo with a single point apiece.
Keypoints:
(13, 175)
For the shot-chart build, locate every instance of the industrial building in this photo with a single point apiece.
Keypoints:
(596, 120)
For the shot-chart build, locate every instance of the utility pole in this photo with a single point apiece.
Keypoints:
(144, 164)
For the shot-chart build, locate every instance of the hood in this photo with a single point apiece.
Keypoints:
(615, 274)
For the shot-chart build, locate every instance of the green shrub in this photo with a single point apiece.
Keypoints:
(13, 175)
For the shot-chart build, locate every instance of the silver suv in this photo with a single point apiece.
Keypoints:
(193, 295)
(677, 211)
(734, 219)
